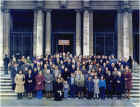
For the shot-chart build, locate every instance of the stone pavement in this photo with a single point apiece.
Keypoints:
(13, 102)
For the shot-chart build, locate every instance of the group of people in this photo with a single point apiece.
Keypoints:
(63, 75)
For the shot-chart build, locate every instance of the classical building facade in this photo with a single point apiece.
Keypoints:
(92, 27)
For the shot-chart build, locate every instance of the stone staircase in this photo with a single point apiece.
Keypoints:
(6, 88)
(135, 92)
(5, 85)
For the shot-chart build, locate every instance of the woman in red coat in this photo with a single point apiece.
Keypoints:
(40, 80)
(128, 81)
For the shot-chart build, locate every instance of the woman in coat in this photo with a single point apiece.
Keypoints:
(109, 83)
(39, 79)
(79, 82)
(48, 83)
(19, 80)
(96, 87)
(102, 87)
(58, 89)
(119, 85)
(128, 81)
(89, 88)
(29, 83)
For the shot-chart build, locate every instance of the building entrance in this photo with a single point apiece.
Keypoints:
(63, 42)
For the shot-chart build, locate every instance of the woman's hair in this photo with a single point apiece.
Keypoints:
(21, 71)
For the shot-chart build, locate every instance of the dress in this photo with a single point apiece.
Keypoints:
(128, 82)
(39, 79)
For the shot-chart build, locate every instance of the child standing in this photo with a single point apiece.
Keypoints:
(66, 89)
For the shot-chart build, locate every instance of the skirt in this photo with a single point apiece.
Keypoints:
(39, 94)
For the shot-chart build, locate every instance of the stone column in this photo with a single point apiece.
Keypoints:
(78, 32)
(48, 32)
(91, 33)
(120, 30)
(130, 30)
(1, 35)
(38, 33)
(6, 31)
(125, 38)
(88, 33)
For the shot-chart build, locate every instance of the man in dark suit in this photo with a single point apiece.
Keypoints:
(6, 62)
(14, 71)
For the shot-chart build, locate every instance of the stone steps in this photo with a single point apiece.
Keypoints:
(135, 92)
(9, 94)
(5, 80)
(6, 86)
(6, 90)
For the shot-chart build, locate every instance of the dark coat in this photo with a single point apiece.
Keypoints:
(6, 61)
(119, 84)
(109, 82)
(14, 71)
(58, 91)
(66, 75)
(29, 83)
(90, 86)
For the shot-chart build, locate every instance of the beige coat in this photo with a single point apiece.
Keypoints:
(19, 80)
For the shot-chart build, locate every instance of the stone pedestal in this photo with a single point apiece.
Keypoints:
(38, 33)
(1, 35)
(125, 38)
(48, 32)
(78, 32)
(88, 33)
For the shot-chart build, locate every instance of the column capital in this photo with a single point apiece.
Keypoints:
(88, 9)
(125, 7)
(78, 10)
(48, 10)
(5, 10)
(122, 10)
(38, 8)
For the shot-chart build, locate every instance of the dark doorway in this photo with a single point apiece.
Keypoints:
(105, 40)
(60, 48)
(21, 35)
(63, 28)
